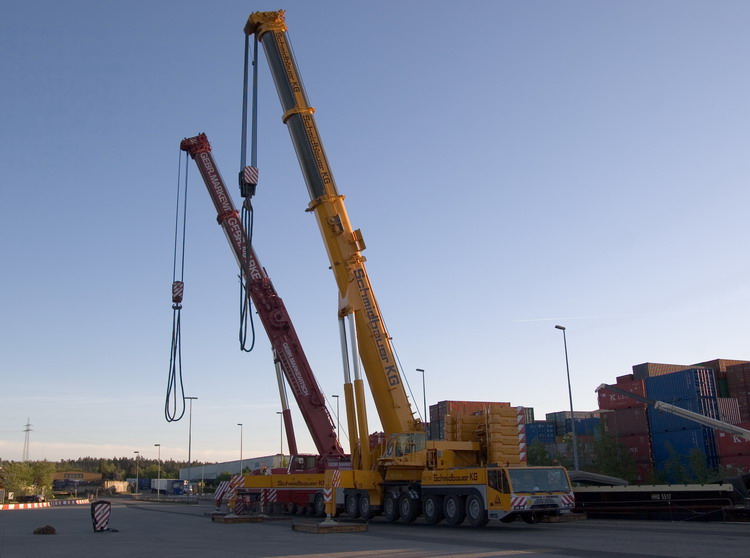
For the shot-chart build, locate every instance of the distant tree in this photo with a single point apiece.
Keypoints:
(674, 470)
(19, 477)
(537, 455)
(42, 475)
(700, 471)
(613, 458)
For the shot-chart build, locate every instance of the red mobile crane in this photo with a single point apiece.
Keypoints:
(287, 349)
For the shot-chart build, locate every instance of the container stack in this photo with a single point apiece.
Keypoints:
(673, 436)
(626, 420)
(734, 451)
(738, 384)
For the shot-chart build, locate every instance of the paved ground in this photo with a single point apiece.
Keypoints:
(147, 529)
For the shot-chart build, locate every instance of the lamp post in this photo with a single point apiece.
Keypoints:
(424, 397)
(570, 397)
(190, 442)
(240, 425)
(281, 433)
(137, 484)
(158, 475)
(338, 422)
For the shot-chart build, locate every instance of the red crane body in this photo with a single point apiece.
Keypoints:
(273, 314)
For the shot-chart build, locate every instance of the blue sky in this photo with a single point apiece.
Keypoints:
(512, 166)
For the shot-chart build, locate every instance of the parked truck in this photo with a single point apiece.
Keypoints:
(170, 487)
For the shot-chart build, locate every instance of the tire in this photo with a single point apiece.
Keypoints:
(408, 507)
(530, 518)
(432, 509)
(475, 512)
(365, 510)
(319, 505)
(390, 508)
(352, 505)
(454, 509)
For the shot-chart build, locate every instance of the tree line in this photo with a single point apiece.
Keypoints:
(35, 477)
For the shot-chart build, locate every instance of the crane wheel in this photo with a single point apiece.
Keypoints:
(390, 508)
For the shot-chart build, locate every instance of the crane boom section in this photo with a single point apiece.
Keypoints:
(271, 309)
(684, 413)
(343, 244)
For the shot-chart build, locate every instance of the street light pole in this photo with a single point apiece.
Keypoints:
(570, 397)
(158, 475)
(190, 442)
(338, 422)
(281, 433)
(424, 398)
(240, 425)
(137, 484)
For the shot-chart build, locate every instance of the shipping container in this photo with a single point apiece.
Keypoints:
(731, 444)
(683, 443)
(729, 410)
(662, 421)
(738, 386)
(650, 369)
(719, 365)
(540, 431)
(611, 400)
(625, 422)
(722, 386)
(639, 447)
(737, 464)
(685, 384)
(583, 426)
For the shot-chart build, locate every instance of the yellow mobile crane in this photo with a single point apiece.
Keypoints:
(479, 473)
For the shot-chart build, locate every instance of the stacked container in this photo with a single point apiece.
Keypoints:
(738, 384)
(626, 420)
(734, 451)
(720, 367)
(542, 431)
(693, 389)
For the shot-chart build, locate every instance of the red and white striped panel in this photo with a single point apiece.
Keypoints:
(519, 502)
(521, 424)
(568, 500)
(250, 175)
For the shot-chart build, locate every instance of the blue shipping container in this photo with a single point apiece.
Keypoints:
(542, 431)
(682, 443)
(686, 384)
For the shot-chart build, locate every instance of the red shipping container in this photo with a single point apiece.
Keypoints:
(612, 400)
(639, 447)
(740, 463)
(729, 444)
(625, 422)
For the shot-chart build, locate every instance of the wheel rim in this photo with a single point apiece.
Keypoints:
(450, 507)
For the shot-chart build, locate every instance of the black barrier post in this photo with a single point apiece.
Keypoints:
(100, 512)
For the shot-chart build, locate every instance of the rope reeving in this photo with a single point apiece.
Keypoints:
(174, 407)
(248, 179)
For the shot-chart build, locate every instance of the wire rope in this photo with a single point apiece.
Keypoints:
(174, 408)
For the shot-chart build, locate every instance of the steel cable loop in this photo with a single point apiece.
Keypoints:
(174, 379)
(174, 410)
(246, 315)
